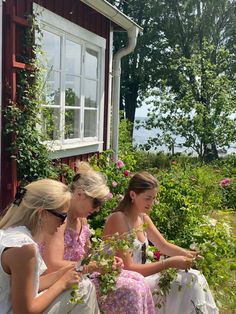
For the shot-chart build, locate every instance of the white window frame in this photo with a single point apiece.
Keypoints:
(59, 25)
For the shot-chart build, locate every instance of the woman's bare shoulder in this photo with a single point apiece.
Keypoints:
(84, 221)
(116, 222)
(15, 256)
(146, 218)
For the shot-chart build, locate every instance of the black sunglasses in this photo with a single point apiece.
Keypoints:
(60, 215)
(144, 255)
(97, 203)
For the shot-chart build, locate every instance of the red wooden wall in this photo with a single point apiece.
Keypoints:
(14, 19)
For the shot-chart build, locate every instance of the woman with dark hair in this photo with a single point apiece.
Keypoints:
(131, 213)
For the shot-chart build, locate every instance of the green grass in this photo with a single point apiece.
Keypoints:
(229, 304)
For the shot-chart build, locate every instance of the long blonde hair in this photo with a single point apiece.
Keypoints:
(42, 194)
(92, 182)
(139, 183)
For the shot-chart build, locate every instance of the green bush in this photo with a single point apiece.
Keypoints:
(189, 194)
(117, 174)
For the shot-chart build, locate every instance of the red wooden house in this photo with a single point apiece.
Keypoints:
(77, 39)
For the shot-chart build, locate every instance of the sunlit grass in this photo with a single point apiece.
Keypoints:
(229, 303)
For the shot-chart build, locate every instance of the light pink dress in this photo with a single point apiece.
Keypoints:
(132, 294)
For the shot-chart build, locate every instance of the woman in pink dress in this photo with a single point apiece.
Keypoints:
(70, 244)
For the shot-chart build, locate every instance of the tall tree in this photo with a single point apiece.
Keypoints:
(201, 64)
(140, 67)
(203, 110)
(173, 31)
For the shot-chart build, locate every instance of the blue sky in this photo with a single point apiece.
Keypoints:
(142, 111)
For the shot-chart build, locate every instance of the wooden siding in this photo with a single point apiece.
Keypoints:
(14, 21)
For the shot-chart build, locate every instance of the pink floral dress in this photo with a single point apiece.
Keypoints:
(132, 294)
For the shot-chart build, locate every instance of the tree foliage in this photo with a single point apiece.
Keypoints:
(140, 68)
(202, 110)
(180, 55)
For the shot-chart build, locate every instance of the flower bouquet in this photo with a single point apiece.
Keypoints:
(102, 255)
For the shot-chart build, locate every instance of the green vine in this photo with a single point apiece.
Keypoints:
(24, 117)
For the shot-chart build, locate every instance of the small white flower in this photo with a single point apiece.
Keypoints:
(212, 222)
(150, 254)
(92, 231)
(194, 247)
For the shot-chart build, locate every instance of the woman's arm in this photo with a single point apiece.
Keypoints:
(155, 237)
(116, 223)
(48, 280)
(20, 263)
(53, 252)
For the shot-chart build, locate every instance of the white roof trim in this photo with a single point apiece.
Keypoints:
(112, 13)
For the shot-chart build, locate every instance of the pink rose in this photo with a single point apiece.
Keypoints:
(114, 184)
(109, 195)
(126, 173)
(157, 255)
(120, 163)
(225, 182)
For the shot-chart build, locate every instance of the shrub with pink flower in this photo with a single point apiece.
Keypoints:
(117, 174)
(114, 184)
(157, 255)
(120, 164)
(225, 182)
(109, 195)
(126, 173)
(228, 188)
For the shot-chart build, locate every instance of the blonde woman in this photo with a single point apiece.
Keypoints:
(70, 243)
(36, 213)
(132, 212)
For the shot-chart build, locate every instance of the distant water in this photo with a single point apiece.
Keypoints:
(141, 136)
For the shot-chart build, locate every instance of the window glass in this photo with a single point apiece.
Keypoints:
(72, 123)
(91, 63)
(72, 82)
(51, 123)
(90, 93)
(52, 88)
(51, 46)
(72, 90)
(90, 123)
(73, 58)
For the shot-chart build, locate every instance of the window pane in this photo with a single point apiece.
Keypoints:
(73, 58)
(72, 91)
(53, 89)
(51, 123)
(51, 47)
(90, 123)
(90, 93)
(91, 63)
(72, 123)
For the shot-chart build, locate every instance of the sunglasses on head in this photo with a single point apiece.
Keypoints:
(58, 214)
(76, 177)
(144, 255)
(97, 203)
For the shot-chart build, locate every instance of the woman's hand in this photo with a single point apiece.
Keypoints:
(194, 255)
(70, 277)
(118, 263)
(179, 262)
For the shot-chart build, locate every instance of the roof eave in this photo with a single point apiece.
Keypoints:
(112, 13)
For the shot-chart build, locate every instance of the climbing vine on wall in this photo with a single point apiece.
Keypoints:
(23, 117)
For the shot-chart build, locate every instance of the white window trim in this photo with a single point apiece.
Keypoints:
(72, 147)
(60, 22)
